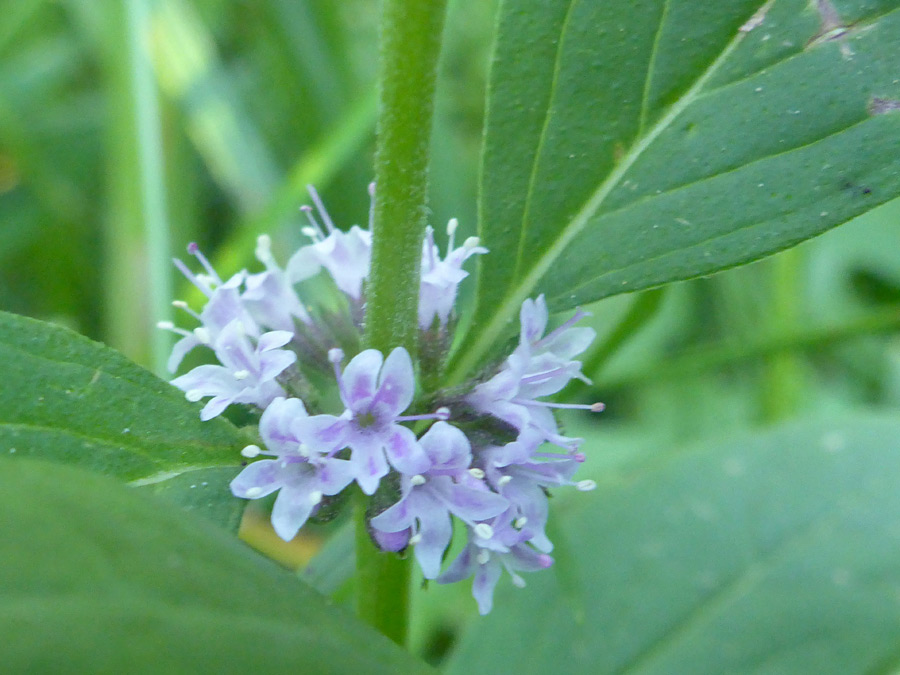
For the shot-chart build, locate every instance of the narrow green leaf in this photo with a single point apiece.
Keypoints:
(777, 552)
(629, 145)
(68, 399)
(100, 579)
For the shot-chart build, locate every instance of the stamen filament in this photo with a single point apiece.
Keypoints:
(195, 251)
(318, 232)
(321, 208)
(578, 316)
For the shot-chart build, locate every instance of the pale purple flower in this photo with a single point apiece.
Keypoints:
(539, 366)
(547, 362)
(440, 278)
(247, 373)
(523, 485)
(345, 255)
(303, 470)
(222, 307)
(270, 296)
(487, 566)
(429, 499)
(375, 392)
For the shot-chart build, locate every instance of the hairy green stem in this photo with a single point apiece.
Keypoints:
(410, 41)
(410, 44)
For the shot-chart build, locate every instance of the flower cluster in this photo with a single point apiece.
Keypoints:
(487, 456)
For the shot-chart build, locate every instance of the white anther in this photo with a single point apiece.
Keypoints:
(504, 480)
(241, 374)
(472, 242)
(452, 224)
(415, 539)
(165, 325)
(315, 497)
(484, 530)
(418, 479)
(264, 241)
(251, 451)
(202, 334)
(442, 413)
(179, 304)
(254, 492)
(520, 522)
(483, 556)
(475, 472)
(309, 232)
(336, 355)
(598, 407)
(193, 395)
(585, 485)
(518, 581)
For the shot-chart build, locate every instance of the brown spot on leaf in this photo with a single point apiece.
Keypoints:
(883, 106)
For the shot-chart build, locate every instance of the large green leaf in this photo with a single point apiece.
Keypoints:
(71, 400)
(778, 552)
(629, 144)
(97, 578)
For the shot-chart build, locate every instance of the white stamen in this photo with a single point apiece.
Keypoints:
(165, 325)
(442, 413)
(520, 522)
(193, 395)
(483, 556)
(452, 224)
(598, 407)
(484, 530)
(518, 581)
(315, 497)
(241, 374)
(585, 485)
(418, 479)
(475, 472)
(264, 248)
(309, 232)
(254, 492)
(251, 451)
(179, 304)
(415, 539)
(504, 480)
(472, 242)
(202, 334)
(336, 355)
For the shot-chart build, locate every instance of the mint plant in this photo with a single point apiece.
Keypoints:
(443, 397)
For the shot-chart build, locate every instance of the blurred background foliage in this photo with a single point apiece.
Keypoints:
(128, 129)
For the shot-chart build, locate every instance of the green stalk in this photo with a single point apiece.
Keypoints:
(138, 277)
(410, 44)
(151, 165)
(712, 357)
(782, 386)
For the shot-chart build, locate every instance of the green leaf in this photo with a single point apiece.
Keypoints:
(68, 399)
(777, 552)
(97, 578)
(629, 145)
